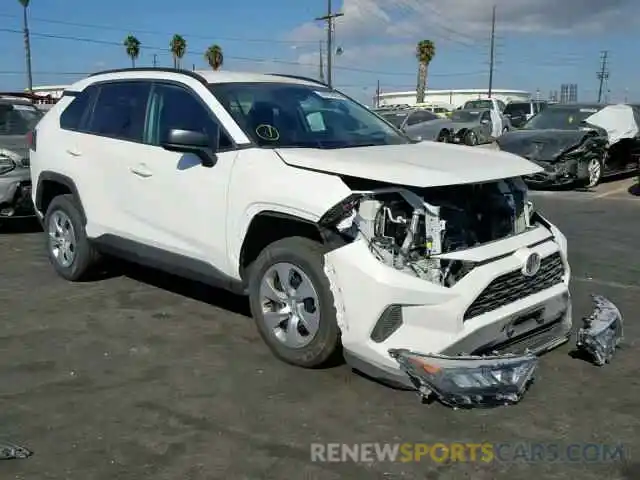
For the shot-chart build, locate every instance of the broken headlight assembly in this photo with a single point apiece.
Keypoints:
(6, 164)
(468, 381)
(602, 331)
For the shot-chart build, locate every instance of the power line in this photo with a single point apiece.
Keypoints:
(156, 32)
(246, 59)
(603, 74)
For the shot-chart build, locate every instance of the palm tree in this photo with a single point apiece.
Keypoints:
(132, 47)
(214, 56)
(425, 51)
(27, 43)
(178, 47)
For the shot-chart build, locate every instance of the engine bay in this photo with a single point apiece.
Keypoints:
(408, 228)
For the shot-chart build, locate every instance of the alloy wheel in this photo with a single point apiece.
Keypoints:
(62, 238)
(290, 305)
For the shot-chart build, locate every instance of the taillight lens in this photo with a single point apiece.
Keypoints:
(31, 140)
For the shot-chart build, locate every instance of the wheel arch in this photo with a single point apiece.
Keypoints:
(268, 226)
(50, 185)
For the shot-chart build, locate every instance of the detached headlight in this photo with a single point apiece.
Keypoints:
(602, 331)
(6, 164)
(469, 381)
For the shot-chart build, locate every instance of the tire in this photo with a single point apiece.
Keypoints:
(72, 260)
(305, 258)
(443, 136)
(594, 172)
(471, 138)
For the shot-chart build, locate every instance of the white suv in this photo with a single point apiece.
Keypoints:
(344, 233)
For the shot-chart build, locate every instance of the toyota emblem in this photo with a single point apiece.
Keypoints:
(531, 264)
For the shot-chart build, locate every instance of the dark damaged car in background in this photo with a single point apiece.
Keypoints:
(18, 117)
(578, 144)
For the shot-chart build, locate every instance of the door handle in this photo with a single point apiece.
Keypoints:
(74, 153)
(141, 171)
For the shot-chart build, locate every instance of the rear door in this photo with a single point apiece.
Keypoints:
(109, 146)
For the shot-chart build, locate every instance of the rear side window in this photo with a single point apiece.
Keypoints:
(72, 117)
(120, 110)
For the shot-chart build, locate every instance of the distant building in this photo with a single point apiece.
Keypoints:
(452, 97)
(51, 91)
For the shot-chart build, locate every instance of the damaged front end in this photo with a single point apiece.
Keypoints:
(569, 164)
(602, 331)
(469, 381)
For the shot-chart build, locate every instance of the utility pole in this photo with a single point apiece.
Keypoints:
(492, 50)
(155, 60)
(329, 18)
(321, 64)
(378, 95)
(603, 74)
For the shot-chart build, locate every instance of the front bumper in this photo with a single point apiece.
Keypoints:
(15, 194)
(563, 172)
(436, 319)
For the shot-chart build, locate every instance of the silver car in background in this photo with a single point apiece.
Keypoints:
(468, 127)
(18, 117)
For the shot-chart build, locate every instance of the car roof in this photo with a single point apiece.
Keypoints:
(203, 76)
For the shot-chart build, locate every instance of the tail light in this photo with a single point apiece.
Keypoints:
(31, 140)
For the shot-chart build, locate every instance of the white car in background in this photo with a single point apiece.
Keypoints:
(342, 231)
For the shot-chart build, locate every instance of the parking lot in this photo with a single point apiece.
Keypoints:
(141, 375)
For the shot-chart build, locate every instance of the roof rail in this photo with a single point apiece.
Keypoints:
(189, 73)
(299, 77)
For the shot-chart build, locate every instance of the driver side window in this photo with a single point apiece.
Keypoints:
(174, 107)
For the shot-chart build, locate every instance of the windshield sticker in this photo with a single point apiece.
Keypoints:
(329, 95)
(24, 108)
(588, 110)
(268, 132)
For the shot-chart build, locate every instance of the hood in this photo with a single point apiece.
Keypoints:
(543, 145)
(424, 164)
(619, 121)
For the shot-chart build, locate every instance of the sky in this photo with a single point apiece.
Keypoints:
(539, 44)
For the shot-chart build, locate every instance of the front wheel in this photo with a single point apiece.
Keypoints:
(292, 304)
(471, 139)
(443, 136)
(594, 171)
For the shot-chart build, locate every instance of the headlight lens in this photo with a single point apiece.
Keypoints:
(468, 381)
(6, 164)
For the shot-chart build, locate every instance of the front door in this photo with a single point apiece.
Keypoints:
(182, 202)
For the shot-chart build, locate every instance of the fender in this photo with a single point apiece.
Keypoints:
(49, 176)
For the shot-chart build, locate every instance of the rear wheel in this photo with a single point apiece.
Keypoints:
(292, 303)
(68, 248)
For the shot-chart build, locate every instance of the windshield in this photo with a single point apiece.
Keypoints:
(479, 104)
(394, 119)
(560, 118)
(465, 116)
(18, 119)
(518, 109)
(299, 115)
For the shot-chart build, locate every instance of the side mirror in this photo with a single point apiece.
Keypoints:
(190, 141)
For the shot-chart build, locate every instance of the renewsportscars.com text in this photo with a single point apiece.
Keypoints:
(467, 452)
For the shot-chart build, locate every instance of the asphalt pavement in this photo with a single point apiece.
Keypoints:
(144, 376)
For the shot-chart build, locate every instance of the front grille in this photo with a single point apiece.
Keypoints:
(514, 286)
